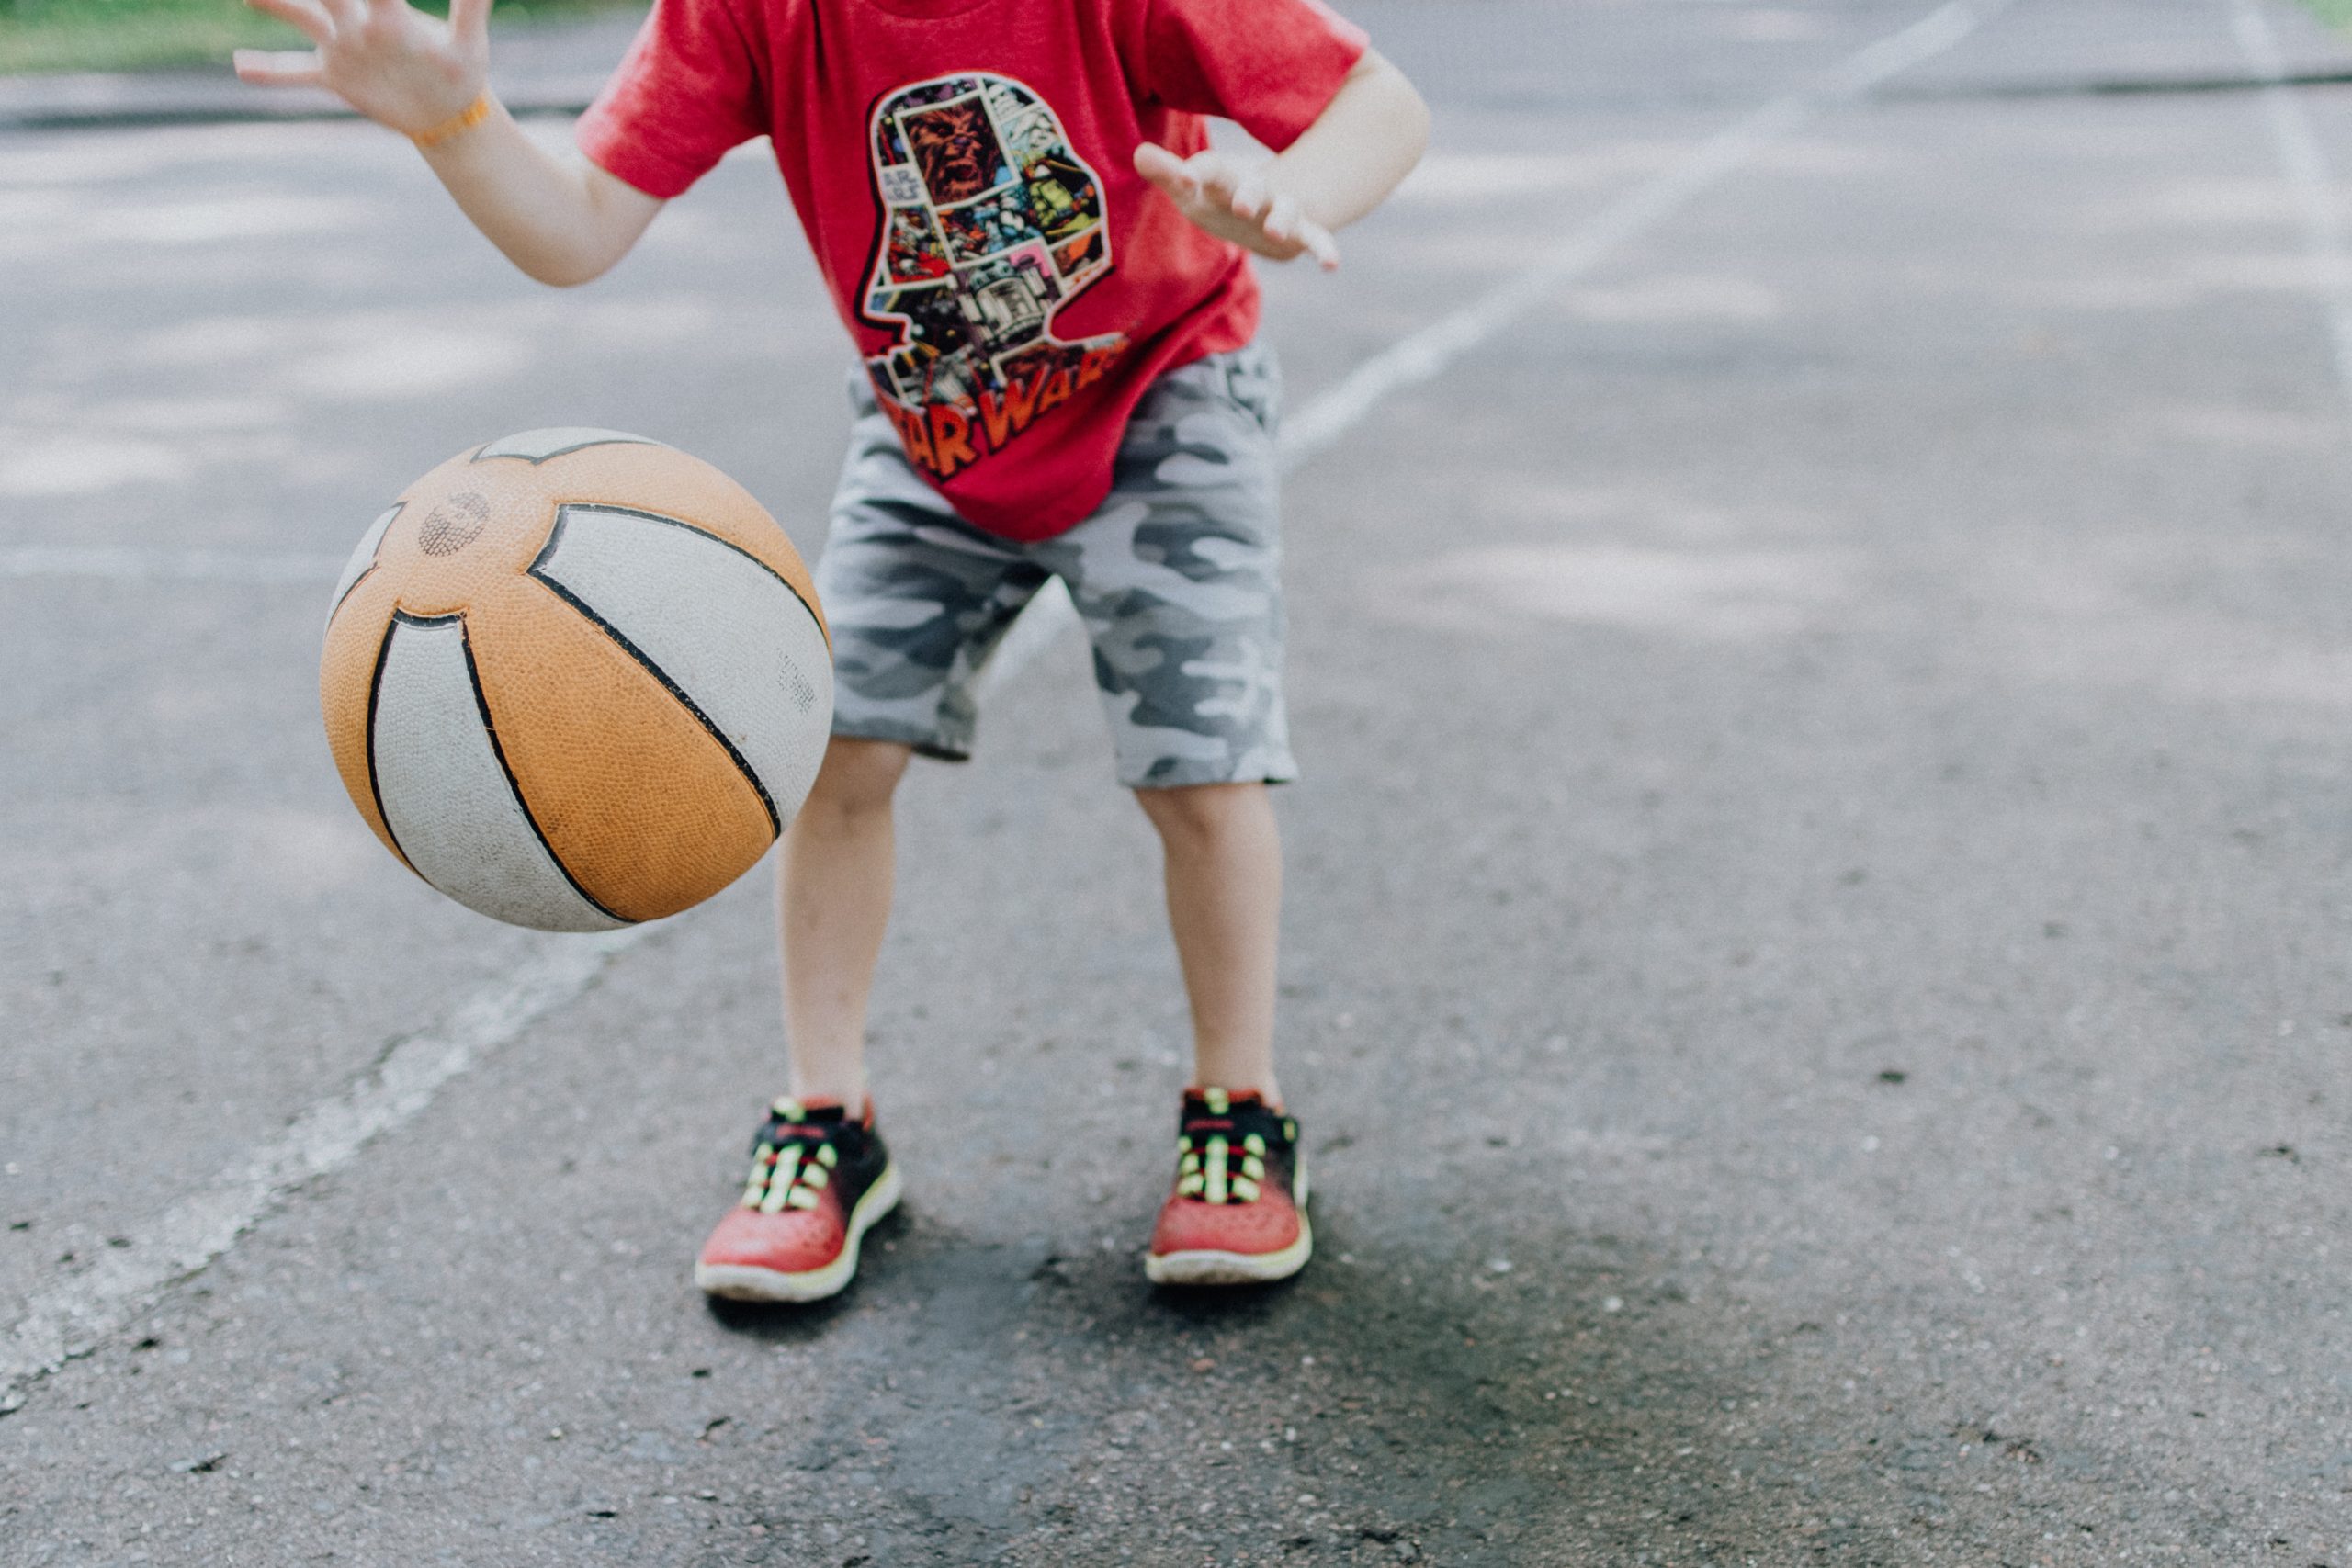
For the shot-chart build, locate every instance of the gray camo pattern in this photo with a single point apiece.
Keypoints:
(1176, 576)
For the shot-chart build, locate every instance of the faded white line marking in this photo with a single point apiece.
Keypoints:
(1699, 593)
(1329, 416)
(1418, 358)
(73, 1317)
(2306, 169)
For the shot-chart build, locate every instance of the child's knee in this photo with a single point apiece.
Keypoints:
(1196, 812)
(857, 776)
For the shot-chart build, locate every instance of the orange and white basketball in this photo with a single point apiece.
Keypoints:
(576, 678)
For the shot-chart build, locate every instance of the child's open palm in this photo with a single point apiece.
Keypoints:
(393, 63)
(1234, 202)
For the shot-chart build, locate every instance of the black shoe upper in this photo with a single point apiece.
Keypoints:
(1231, 1148)
(802, 1150)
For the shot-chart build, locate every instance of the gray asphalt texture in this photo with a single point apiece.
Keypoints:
(1816, 968)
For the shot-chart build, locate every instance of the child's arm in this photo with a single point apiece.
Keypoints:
(1365, 141)
(562, 220)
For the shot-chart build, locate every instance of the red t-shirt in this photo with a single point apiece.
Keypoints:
(964, 169)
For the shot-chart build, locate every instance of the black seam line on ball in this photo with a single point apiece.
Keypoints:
(514, 785)
(560, 452)
(376, 790)
(775, 819)
(644, 516)
(375, 557)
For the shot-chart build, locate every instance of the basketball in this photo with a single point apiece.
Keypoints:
(576, 679)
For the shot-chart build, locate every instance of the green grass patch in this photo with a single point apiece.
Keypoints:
(2336, 13)
(146, 35)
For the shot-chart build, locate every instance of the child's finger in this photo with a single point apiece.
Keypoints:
(1218, 177)
(469, 19)
(1282, 220)
(1157, 163)
(1166, 170)
(1251, 197)
(275, 68)
(306, 15)
(1288, 222)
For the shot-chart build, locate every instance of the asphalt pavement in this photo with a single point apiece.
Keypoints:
(1817, 967)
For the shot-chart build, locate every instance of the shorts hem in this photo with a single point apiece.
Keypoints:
(926, 743)
(1196, 774)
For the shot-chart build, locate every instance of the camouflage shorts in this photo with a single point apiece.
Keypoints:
(1175, 578)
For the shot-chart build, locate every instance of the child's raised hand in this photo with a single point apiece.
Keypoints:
(1231, 201)
(396, 65)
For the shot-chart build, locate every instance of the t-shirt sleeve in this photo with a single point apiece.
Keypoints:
(1270, 65)
(688, 91)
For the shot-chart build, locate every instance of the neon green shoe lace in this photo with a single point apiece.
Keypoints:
(1212, 1172)
(792, 1162)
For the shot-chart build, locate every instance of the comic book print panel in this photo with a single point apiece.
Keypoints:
(995, 222)
(1082, 254)
(917, 253)
(1063, 197)
(1014, 293)
(954, 149)
(990, 223)
(927, 366)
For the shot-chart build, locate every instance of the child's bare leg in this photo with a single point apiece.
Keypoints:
(833, 900)
(1224, 895)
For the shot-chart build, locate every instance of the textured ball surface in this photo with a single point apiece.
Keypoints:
(576, 678)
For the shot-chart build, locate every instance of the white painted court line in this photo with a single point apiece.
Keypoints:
(73, 1317)
(1320, 424)
(2306, 169)
(1329, 416)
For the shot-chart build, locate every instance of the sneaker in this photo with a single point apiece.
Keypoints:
(819, 1182)
(1239, 1213)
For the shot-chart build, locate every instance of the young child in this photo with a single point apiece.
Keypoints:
(1043, 265)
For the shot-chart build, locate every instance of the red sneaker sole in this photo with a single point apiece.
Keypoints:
(748, 1282)
(1203, 1266)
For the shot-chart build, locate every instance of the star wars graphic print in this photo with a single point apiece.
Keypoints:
(989, 224)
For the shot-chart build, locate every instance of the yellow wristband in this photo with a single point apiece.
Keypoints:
(455, 125)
